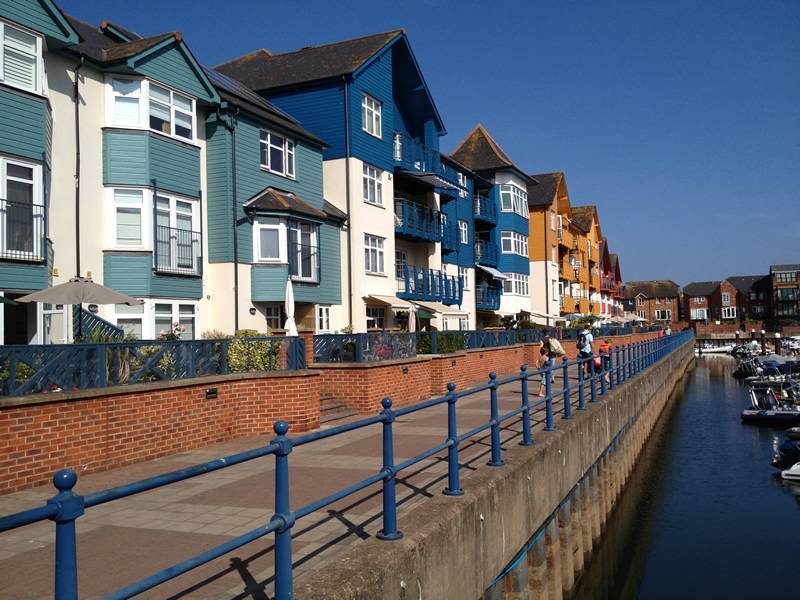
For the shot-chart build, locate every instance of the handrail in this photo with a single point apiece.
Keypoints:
(615, 368)
(24, 230)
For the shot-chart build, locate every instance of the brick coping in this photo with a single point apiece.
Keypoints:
(119, 390)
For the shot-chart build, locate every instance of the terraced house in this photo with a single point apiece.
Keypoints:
(408, 208)
(509, 184)
(657, 300)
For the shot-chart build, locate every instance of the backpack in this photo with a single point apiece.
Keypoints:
(581, 343)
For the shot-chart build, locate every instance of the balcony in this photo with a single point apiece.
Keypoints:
(607, 284)
(486, 254)
(178, 251)
(431, 285)
(566, 239)
(488, 297)
(22, 231)
(411, 155)
(485, 208)
(568, 305)
(417, 221)
(450, 237)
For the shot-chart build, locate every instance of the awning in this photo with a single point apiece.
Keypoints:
(432, 179)
(437, 307)
(493, 272)
(393, 301)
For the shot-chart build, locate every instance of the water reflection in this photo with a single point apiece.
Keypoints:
(704, 514)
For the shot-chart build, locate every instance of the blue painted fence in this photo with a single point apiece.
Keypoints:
(66, 507)
(69, 367)
(363, 347)
(93, 326)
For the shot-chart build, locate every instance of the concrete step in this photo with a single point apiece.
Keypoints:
(333, 411)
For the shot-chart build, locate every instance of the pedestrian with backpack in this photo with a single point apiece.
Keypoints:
(584, 346)
(554, 347)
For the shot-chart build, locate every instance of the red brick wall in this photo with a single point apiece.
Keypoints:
(93, 432)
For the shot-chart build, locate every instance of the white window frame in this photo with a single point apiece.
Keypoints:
(517, 197)
(463, 231)
(372, 185)
(297, 225)
(376, 244)
(699, 314)
(463, 274)
(276, 223)
(40, 77)
(197, 252)
(371, 117)
(288, 148)
(144, 108)
(37, 205)
(699, 299)
(726, 299)
(518, 243)
(400, 261)
(516, 284)
(642, 314)
(323, 318)
(664, 314)
(148, 315)
(378, 315)
(728, 312)
(462, 181)
(146, 215)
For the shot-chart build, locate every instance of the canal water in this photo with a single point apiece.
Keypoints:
(703, 514)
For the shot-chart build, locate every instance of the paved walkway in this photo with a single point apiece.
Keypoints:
(125, 540)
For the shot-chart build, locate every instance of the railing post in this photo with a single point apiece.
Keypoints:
(548, 393)
(389, 531)
(359, 347)
(497, 458)
(581, 391)
(593, 380)
(70, 507)
(603, 372)
(283, 513)
(565, 384)
(628, 373)
(453, 482)
(611, 369)
(527, 439)
(223, 357)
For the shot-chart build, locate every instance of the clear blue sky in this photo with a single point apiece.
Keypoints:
(680, 120)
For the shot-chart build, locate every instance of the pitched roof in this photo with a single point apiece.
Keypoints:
(543, 193)
(615, 264)
(744, 283)
(582, 217)
(700, 288)
(333, 212)
(656, 288)
(480, 152)
(118, 30)
(773, 268)
(263, 70)
(103, 49)
(272, 199)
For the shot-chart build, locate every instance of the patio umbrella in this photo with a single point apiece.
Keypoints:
(77, 291)
(412, 319)
(617, 319)
(290, 326)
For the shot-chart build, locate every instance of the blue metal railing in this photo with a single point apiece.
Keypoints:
(70, 367)
(450, 236)
(432, 285)
(603, 372)
(486, 253)
(363, 347)
(417, 221)
(485, 208)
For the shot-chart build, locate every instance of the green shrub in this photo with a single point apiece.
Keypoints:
(215, 334)
(253, 356)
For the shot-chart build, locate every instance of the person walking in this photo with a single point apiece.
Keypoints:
(541, 363)
(554, 347)
(584, 346)
(604, 348)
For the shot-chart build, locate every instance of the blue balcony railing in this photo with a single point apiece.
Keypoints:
(432, 285)
(411, 155)
(417, 221)
(488, 297)
(486, 254)
(449, 237)
(485, 208)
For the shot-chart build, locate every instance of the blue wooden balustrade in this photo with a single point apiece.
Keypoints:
(417, 221)
(363, 347)
(486, 253)
(602, 374)
(485, 207)
(487, 297)
(29, 369)
(432, 285)
(93, 326)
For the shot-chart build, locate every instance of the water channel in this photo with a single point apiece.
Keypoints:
(703, 514)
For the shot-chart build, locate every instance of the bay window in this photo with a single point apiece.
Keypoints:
(126, 101)
(303, 251)
(22, 223)
(178, 239)
(277, 153)
(514, 199)
(516, 284)
(158, 317)
(143, 104)
(171, 113)
(269, 239)
(512, 242)
(21, 64)
(128, 205)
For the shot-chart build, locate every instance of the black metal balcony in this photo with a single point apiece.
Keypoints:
(22, 231)
(178, 251)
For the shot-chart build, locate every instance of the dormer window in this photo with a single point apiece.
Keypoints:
(277, 153)
(20, 59)
(371, 115)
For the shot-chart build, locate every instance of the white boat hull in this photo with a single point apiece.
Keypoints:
(792, 474)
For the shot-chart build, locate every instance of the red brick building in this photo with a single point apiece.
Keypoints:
(657, 301)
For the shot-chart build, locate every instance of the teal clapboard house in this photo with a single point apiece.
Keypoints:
(31, 30)
(265, 172)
